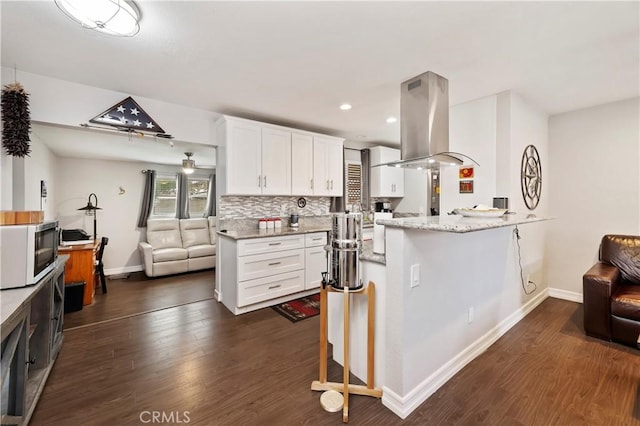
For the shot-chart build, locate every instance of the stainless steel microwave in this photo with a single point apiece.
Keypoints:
(27, 253)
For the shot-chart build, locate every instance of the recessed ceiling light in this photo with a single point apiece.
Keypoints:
(361, 136)
(391, 120)
(345, 107)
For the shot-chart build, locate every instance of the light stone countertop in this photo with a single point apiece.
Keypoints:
(14, 299)
(368, 254)
(460, 224)
(240, 234)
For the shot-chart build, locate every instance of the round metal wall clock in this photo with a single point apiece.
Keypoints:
(531, 177)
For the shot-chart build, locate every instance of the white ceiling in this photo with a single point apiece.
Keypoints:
(293, 63)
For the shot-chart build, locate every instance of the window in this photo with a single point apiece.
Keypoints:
(198, 191)
(164, 197)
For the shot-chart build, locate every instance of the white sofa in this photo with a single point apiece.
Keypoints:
(174, 246)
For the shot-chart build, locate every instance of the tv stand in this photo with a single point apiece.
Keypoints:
(31, 331)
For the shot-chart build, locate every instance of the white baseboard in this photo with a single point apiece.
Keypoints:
(571, 296)
(403, 406)
(123, 270)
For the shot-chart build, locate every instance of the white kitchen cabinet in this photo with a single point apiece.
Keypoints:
(258, 160)
(276, 162)
(244, 158)
(315, 260)
(268, 268)
(386, 181)
(258, 272)
(327, 166)
(301, 164)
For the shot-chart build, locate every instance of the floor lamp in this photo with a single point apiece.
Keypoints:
(90, 208)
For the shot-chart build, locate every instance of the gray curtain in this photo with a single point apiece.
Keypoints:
(210, 210)
(182, 197)
(147, 197)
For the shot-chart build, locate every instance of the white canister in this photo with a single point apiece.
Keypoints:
(270, 223)
(378, 232)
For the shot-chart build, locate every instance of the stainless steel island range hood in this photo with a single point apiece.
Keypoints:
(424, 123)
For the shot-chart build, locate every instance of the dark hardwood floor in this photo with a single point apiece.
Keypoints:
(256, 369)
(138, 294)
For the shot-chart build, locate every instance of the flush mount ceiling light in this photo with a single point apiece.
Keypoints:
(114, 17)
(188, 165)
(345, 107)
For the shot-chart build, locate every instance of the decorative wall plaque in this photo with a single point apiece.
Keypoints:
(531, 177)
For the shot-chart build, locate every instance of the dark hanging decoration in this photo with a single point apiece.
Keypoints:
(16, 121)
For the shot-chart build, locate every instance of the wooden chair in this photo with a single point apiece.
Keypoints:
(100, 265)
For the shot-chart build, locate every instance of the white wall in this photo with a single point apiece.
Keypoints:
(65, 103)
(40, 165)
(594, 186)
(527, 125)
(473, 133)
(6, 181)
(415, 192)
(76, 179)
(119, 215)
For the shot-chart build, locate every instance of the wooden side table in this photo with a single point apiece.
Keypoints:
(81, 266)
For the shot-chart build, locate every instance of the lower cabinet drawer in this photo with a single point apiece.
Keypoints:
(263, 265)
(315, 239)
(254, 291)
(269, 244)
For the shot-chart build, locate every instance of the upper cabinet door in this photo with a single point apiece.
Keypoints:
(386, 181)
(335, 164)
(301, 164)
(276, 162)
(320, 177)
(244, 171)
(327, 166)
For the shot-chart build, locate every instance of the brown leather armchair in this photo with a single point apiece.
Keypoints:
(611, 290)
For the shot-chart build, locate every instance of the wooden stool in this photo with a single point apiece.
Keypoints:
(345, 387)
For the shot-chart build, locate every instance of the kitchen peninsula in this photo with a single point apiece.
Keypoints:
(450, 287)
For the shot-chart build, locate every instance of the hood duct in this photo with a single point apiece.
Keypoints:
(424, 123)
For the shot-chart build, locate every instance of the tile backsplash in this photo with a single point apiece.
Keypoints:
(239, 207)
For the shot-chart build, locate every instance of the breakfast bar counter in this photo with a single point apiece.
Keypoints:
(458, 223)
(444, 294)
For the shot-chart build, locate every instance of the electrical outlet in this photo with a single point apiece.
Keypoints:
(415, 275)
(470, 315)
